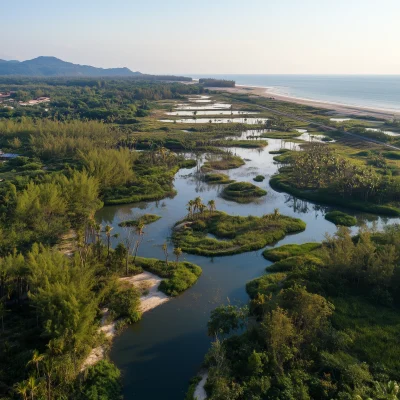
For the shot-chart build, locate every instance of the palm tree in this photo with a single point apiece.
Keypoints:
(35, 360)
(211, 206)
(276, 213)
(140, 232)
(202, 208)
(32, 386)
(177, 253)
(190, 205)
(108, 230)
(22, 389)
(165, 250)
(197, 203)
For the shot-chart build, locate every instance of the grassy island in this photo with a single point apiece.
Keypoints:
(341, 218)
(145, 219)
(242, 192)
(233, 234)
(259, 178)
(223, 163)
(313, 174)
(219, 178)
(289, 250)
(178, 276)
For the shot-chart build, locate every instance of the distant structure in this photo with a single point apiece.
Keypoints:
(39, 100)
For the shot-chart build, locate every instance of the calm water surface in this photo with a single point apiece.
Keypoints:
(165, 349)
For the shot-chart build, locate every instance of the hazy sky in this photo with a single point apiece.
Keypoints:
(208, 36)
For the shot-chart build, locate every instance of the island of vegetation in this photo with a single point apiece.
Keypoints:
(214, 177)
(341, 218)
(320, 174)
(259, 178)
(222, 162)
(145, 219)
(242, 192)
(326, 329)
(233, 234)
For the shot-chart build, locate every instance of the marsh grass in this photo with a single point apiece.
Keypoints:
(178, 276)
(341, 218)
(242, 192)
(233, 234)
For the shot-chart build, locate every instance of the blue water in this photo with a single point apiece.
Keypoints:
(376, 91)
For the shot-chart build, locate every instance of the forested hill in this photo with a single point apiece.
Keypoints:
(52, 66)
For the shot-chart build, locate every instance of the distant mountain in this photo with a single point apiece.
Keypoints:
(52, 66)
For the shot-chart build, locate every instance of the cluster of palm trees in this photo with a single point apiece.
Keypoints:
(197, 209)
(29, 387)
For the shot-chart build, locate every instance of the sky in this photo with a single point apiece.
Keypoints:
(208, 36)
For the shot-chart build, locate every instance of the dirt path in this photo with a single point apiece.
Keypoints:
(153, 298)
(200, 393)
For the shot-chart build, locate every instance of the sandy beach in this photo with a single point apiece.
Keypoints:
(152, 299)
(339, 109)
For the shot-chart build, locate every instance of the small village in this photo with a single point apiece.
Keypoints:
(7, 98)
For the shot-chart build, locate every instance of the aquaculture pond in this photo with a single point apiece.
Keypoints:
(160, 354)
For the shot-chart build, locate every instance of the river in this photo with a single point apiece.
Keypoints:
(165, 349)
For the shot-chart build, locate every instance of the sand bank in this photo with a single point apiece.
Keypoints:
(152, 299)
(341, 109)
(200, 393)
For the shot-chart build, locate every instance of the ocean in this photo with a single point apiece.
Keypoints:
(374, 91)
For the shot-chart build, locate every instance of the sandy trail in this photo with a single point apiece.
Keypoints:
(149, 301)
(200, 393)
(341, 109)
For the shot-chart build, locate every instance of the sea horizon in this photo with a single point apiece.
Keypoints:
(364, 90)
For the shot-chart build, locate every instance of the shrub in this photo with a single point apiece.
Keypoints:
(341, 218)
(259, 178)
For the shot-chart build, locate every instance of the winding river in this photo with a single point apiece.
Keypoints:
(160, 354)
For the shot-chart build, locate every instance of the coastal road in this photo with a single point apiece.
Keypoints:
(322, 126)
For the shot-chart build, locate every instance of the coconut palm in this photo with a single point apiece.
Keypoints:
(190, 207)
(32, 386)
(211, 206)
(140, 232)
(22, 389)
(165, 250)
(108, 230)
(197, 203)
(35, 360)
(177, 253)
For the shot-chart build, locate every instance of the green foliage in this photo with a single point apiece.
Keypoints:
(227, 161)
(179, 276)
(145, 219)
(124, 302)
(102, 381)
(217, 178)
(259, 178)
(242, 191)
(289, 250)
(225, 319)
(341, 218)
(234, 234)
(111, 168)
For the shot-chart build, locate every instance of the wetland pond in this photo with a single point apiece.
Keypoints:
(159, 354)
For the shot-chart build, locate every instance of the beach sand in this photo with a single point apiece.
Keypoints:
(339, 109)
(152, 299)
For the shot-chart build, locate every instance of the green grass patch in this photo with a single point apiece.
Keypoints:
(224, 163)
(217, 178)
(144, 219)
(341, 218)
(281, 135)
(177, 276)
(266, 284)
(242, 191)
(281, 182)
(233, 234)
(289, 250)
(280, 151)
(259, 178)
(374, 331)
(187, 163)
(300, 262)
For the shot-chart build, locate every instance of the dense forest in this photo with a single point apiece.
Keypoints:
(120, 101)
(322, 324)
(57, 269)
(210, 82)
